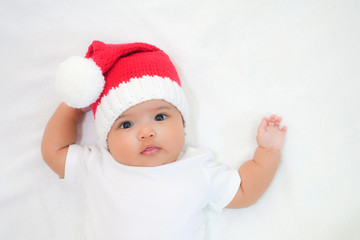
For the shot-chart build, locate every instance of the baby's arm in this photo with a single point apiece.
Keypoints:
(257, 174)
(60, 133)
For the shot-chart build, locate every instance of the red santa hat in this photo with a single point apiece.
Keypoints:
(114, 77)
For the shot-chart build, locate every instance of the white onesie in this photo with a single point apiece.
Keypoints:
(161, 203)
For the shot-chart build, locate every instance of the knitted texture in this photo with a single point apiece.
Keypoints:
(122, 62)
(133, 73)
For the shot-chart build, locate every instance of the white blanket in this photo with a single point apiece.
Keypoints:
(239, 61)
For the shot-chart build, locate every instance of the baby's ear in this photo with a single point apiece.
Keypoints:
(183, 121)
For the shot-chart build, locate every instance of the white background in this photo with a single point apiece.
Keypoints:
(239, 61)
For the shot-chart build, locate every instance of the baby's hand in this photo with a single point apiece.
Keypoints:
(86, 109)
(269, 134)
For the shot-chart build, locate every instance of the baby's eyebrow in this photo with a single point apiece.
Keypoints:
(162, 108)
(122, 116)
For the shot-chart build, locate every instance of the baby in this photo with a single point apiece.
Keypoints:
(140, 181)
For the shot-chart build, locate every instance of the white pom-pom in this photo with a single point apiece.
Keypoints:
(79, 81)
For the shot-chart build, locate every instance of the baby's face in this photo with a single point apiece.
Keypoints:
(148, 134)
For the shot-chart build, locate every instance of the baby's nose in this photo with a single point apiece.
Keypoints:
(146, 132)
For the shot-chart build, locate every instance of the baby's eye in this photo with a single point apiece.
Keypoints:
(126, 125)
(160, 117)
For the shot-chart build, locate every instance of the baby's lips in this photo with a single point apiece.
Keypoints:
(150, 150)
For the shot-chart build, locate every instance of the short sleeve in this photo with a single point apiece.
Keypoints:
(223, 184)
(78, 162)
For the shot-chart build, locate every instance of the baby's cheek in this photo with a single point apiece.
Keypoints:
(121, 146)
(177, 138)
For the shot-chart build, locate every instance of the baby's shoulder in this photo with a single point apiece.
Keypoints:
(77, 151)
(196, 156)
(192, 152)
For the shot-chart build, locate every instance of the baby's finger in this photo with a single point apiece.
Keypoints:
(272, 117)
(263, 124)
(271, 121)
(283, 129)
(86, 109)
(277, 122)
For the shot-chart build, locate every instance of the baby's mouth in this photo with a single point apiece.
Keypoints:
(150, 150)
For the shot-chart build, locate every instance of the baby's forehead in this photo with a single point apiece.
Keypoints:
(149, 106)
(154, 106)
